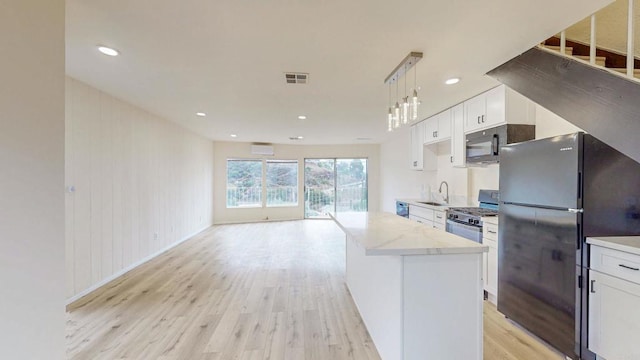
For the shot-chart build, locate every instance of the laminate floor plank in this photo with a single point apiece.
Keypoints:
(260, 291)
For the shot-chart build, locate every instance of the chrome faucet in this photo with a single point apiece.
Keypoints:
(446, 198)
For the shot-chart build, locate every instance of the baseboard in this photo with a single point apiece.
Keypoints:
(254, 221)
(116, 275)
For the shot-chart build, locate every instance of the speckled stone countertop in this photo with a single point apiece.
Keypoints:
(382, 233)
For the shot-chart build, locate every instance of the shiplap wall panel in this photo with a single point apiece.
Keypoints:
(142, 184)
(68, 202)
(82, 181)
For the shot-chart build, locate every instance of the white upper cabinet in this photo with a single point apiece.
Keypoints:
(417, 146)
(475, 111)
(438, 127)
(458, 151)
(495, 107)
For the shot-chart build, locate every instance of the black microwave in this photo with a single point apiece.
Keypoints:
(483, 147)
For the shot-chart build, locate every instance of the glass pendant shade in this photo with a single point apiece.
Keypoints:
(414, 105)
(396, 115)
(405, 110)
(390, 120)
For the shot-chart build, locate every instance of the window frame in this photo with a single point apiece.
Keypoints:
(266, 186)
(263, 184)
(253, 206)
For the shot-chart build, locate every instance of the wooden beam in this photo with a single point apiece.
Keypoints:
(599, 102)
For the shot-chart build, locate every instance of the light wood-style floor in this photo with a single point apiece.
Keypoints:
(250, 291)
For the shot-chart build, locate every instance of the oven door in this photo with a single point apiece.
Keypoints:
(473, 233)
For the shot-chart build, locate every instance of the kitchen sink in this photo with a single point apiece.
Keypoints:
(430, 203)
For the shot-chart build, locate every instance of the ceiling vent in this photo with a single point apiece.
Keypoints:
(261, 149)
(296, 78)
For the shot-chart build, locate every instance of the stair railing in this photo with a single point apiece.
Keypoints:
(630, 49)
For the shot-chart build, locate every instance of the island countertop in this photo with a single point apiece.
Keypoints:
(381, 233)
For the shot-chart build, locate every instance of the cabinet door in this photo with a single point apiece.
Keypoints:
(485, 269)
(431, 129)
(496, 105)
(417, 143)
(491, 284)
(474, 113)
(458, 151)
(614, 317)
(444, 125)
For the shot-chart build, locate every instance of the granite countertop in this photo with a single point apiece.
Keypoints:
(630, 244)
(382, 233)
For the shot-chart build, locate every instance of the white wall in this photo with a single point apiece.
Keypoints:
(142, 184)
(32, 179)
(549, 124)
(396, 179)
(242, 150)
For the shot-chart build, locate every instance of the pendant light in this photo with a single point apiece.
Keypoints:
(390, 115)
(414, 98)
(405, 109)
(405, 102)
(396, 111)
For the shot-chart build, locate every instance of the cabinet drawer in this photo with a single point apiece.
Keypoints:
(421, 212)
(421, 220)
(616, 263)
(439, 226)
(490, 231)
(439, 217)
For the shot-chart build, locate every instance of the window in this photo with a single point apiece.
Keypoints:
(282, 183)
(244, 183)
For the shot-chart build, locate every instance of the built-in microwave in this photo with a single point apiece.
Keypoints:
(483, 147)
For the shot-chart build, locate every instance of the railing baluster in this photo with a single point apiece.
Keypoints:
(563, 42)
(630, 48)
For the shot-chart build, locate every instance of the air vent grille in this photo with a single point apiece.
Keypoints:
(296, 78)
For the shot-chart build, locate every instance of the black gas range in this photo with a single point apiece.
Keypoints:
(467, 221)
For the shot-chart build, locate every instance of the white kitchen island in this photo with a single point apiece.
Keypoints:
(419, 290)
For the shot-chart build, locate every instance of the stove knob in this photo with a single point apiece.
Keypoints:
(470, 221)
(475, 222)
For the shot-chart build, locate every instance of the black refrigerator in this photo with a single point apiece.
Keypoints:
(554, 193)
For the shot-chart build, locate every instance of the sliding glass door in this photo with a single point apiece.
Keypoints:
(335, 185)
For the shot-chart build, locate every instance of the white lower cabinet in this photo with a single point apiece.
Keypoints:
(421, 220)
(614, 304)
(439, 220)
(429, 217)
(614, 317)
(490, 238)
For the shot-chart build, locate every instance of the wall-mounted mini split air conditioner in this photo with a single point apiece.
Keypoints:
(262, 150)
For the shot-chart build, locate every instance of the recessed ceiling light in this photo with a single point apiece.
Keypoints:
(201, 114)
(300, 137)
(296, 138)
(452, 81)
(233, 135)
(108, 51)
(302, 117)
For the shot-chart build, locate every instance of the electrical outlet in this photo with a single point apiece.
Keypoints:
(155, 236)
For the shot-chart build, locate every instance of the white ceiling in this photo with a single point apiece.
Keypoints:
(227, 58)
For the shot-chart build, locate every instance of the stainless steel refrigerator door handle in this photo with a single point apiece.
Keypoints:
(593, 289)
(575, 211)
